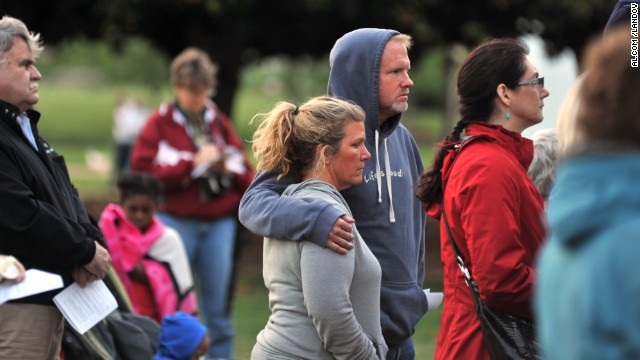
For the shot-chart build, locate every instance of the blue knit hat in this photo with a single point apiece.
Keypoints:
(621, 13)
(180, 335)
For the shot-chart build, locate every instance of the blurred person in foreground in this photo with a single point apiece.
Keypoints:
(331, 302)
(566, 128)
(588, 285)
(494, 210)
(192, 148)
(42, 221)
(371, 68)
(567, 132)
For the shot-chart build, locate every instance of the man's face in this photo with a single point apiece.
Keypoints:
(394, 80)
(19, 76)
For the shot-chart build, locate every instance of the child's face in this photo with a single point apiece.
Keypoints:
(139, 210)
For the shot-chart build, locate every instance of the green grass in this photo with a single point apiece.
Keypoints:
(426, 335)
(82, 116)
(87, 115)
(251, 311)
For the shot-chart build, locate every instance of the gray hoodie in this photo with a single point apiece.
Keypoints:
(323, 305)
(388, 215)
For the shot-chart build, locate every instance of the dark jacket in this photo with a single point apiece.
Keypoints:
(42, 221)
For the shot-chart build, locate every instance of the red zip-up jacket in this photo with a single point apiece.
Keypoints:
(164, 149)
(496, 216)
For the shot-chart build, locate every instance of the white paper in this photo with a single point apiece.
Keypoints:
(35, 282)
(433, 298)
(85, 307)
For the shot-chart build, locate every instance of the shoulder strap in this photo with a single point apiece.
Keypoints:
(471, 283)
(464, 141)
(457, 148)
(456, 251)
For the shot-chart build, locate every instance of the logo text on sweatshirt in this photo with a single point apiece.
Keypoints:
(371, 176)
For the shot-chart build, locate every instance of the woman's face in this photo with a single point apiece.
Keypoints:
(193, 99)
(139, 210)
(527, 101)
(344, 169)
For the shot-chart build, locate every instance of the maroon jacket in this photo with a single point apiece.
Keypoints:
(165, 150)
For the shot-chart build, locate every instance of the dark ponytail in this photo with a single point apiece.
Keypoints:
(429, 189)
(499, 61)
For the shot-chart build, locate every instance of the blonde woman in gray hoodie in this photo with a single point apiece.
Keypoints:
(323, 305)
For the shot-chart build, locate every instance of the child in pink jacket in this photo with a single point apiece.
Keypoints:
(148, 256)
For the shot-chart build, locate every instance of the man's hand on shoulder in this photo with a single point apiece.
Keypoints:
(341, 237)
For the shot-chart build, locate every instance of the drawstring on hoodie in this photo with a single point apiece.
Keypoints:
(387, 164)
(378, 169)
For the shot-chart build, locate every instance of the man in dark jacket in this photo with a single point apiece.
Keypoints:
(42, 222)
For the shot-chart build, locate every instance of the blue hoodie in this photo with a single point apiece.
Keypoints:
(388, 215)
(588, 289)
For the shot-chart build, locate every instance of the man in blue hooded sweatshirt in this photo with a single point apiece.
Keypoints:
(371, 68)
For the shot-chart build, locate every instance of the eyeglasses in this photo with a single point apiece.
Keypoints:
(536, 81)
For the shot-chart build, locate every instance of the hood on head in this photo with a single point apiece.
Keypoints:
(620, 14)
(592, 194)
(355, 74)
(180, 336)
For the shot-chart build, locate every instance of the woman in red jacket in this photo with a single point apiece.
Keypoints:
(494, 210)
(191, 147)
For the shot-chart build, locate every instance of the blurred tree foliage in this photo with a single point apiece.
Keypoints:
(81, 61)
(238, 32)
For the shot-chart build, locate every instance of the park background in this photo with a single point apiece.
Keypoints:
(269, 51)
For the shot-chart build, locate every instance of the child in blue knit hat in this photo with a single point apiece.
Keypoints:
(182, 337)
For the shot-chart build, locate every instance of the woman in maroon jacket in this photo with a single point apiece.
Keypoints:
(493, 208)
(190, 146)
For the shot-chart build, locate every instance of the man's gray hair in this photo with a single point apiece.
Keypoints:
(11, 27)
